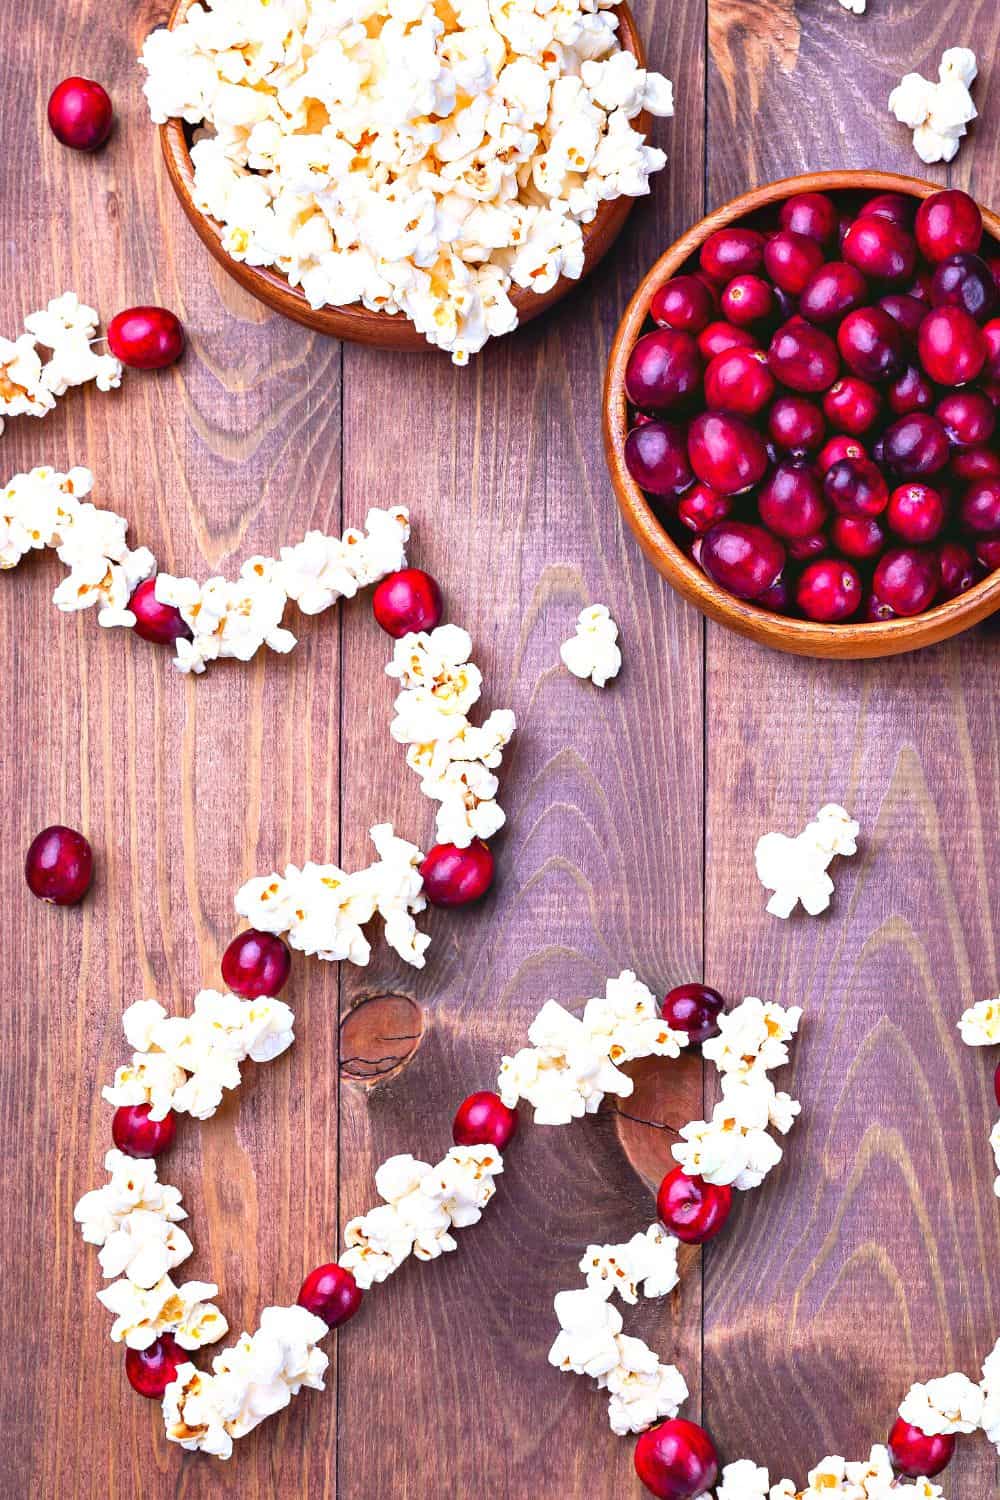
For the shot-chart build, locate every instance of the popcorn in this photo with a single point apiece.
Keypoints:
(67, 328)
(586, 1343)
(857, 8)
(949, 1404)
(743, 1480)
(646, 1262)
(143, 1248)
(594, 652)
(752, 1037)
(938, 113)
(320, 569)
(980, 1024)
(990, 1387)
(142, 1315)
(795, 868)
(641, 1390)
(133, 1187)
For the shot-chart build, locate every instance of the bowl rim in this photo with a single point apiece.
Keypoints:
(354, 321)
(801, 637)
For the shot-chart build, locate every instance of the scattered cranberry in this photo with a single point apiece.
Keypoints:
(857, 537)
(80, 114)
(684, 303)
(255, 964)
(456, 877)
(137, 1135)
(796, 424)
(656, 456)
(916, 445)
(163, 624)
(948, 223)
(917, 1456)
(701, 508)
(146, 338)
(407, 601)
(804, 358)
(979, 508)
(330, 1292)
(829, 590)
(739, 380)
(664, 368)
(833, 291)
(852, 405)
(484, 1120)
(692, 1209)
(856, 487)
(791, 500)
(880, 249)
(152, 1369)
(732, 252)
(744, 559)
(871, 342)
(907, 580)
(726, 452)
(693, 1009)
(968, 418)
(59, 866)
(965, 281)
(952, 347)
(811, 214)
(916, 512)
(748, 300)
(957, 572)
(718, 337)
(677, 1460)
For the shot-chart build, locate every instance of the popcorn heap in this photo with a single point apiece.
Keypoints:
(66, 327)
(593, 651)
(834, 1479)
(938, 113)
(416, 157)
(322, 909)
(796, 869)
(454, 759)
(980, 1027)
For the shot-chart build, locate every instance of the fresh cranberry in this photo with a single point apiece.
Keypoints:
(732, 252)
(778, 597)
(921, 288)
(692, 1209)
(739, 380)
(907, 580)
(857, 537)
(406, 602)
(656, 457)
(163, 624)
(256, 963)
(146, 338)
(804, 358)
(811, 214)
(693, 1009)
(968, 418)
(330, 1292)
(836, 450)
(979, 508)
(880, 249)
(59, 866)
(829, 590)
(988, 553)
(976, 463)
(856, 487)
(996, 1084)
(718, 337)
(791, 259)
(991, 337)
(796, 424)
(957, 571)
(701, 508)
(896, 207)
(965, 281)
(916, 512)
(877, 611)
(484, 1120)
(915, 445)
(910, 391)
(833, 291)
(663, 369)
(748, 300)
(951, 345)
(947, 224)
(871, 342)
(152, 1369)
(791, 500)
(742, 558)
(804, 548)
(80, 114)
(851, 405)
(677, 1460)
(726, 452)
(455, 877)
(684, 303)
(907, 311)
(917, 1456)
(134, 1133)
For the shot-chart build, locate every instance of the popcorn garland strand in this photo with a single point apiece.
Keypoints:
(67, 327)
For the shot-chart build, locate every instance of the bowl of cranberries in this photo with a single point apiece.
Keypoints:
(802, 414)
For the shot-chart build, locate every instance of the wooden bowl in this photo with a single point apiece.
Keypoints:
(803, 637)
(357, 323)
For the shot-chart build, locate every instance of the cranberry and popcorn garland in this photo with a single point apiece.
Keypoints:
(67, 327)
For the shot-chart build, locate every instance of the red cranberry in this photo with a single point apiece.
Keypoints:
(778, 597)
(80, 114)
(917, 1456)
(692, 1209)
(911, 391)
(979, 508)
(701, 508)
(872, 343)
(858, 537)
(811, 214)
(739, 380)
(907, 311)
(256, 963)
(988, 553)
(137, 1135)
(748, 300)
(677, 1460)
(996, 1084)
(152, 1369)
(330, 1292)
(656, 456)
(851, 405)
(456, 877)
(951, 345)
(976, 463)
(726, 452)
(693, 1009)
(965, 281)
(162, 624)
(877, 611)
(59, 866)
(684, 303)
(957, 572)
(907, 580)
(741, 558)
(921, 288)
(663, 369)
(791, 259)
(803, 357)
(948, 223)
(836, 450)
(880, 249)
(833, 291)
(991, 336)
(146, 338)
(796, 424)
(484, 1120)
(718, 337)
(916, 512)
(968, 418)
(894, 206)
(803, 548)
(791, 500)
(829, 590)
(916, 445)
(856, 487)
(732, 252)
(406, 602)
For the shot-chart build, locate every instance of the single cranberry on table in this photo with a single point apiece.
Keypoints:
(916, 512)
(796, 424)
(951, 346)
(700, 508)
(684, 303)
(852, 405)
(162, 624)
(694, 1009)
(255, 964)
(717, 337)
(791, 260)
(330, 1292)
(911, 391)
(917, 1456)
(968, 417)
(146, 338)
(916, 445)
(965, 281)
(803, 357)
(484, 1120)
(856, 487)
(80, 114)
(732, 252)
(59, 865)
(677, 1460)
(135, 1134)
(693, 1210)
(857, 537)
(881, 249)
(791, 500)
(742, 558)
(748, 300)
(152, 1369)
(872, 343)
(907, 580)
(905, 310)
(664, 368)
(979, 508)
(739, 380)
(726, 452)
(656, 456)
(957, 570)
(832, 291)
(829, 590)
(811, 214)
(457, 877)
(407, 602)
(948, 223)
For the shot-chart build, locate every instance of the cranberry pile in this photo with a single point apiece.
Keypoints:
(814, 413)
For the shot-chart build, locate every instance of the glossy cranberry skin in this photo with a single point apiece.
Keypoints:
(80, 114)
(871, 343)
(856, 487)
(484, 1120)
(663, 369)
(732, 252)
(894, 206)
(791, 259)
(134, 1133)
(916, 512)
(991, 336)
(836, 450)
(163, 624)
(407, 601)
(719, 336)
(692, 1209)
(684, 303)
(456, 877)
(677, 1460)
(833, 291)
(979, 508)
(910, 391)
(791, 500)
(778, 597)
(146, 338)
(700, 508)
(804, 548)
(907, 311)
(951, 346)
(857, 537)
(968, 417)
(976, 463)
(742, 558)
(965, 281)
(255, 964)
(877, 611)
(948, 223)
(726, 452)
(748, 300)
(907, 580)
(916, 445)
(852, 405)
(330, 1292)
(829, 590)
(59, 866)
(917, 1456)
(739, 380)
(693, 1009)
(804, 358)
(880, 249)
(957, 572)
(152, 1369)
(656, 456)
(811, 214)
(796, 424)
(988, 553)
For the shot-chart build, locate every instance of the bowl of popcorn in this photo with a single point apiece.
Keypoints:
(801, 414)
(412, 172)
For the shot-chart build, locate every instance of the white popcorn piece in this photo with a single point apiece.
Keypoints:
(753, 1037)
(938, 113)
(586, 1342)
(743, 1480)
(641, 1389)
(143, 1314)
(68, 329)
(647, 1263)
(990, 1387)
(593, 652)
(132, 1187)
(980, 1024)
(857, 8)
(795, 869)
(143, 1248)
(952, 1403)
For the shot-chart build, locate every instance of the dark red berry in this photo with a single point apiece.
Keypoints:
(916, 512)
(829, 590)
(684, 303)
(916, 445)
(880, 249)
(663, 369)
(406, 602)
(852, 405)
(748, 300)
(741, 558)
(796, 424)
(693, 1009)
(803, 357)
(152, 1369)
(791, 500)
(484, 1120)
(871, 343)
(732, 252)
(692, 1209)
(135, 1134)
(951, 346)
(791, 260)
(857, 537)
(856, 487)
(330, 1292)
(456, 877)
(726, 452)
(948, 223)
(833, 291)
(907, 580)
(255, 964)
(700, 508)
(146, 338)
(917, 1456)
(163, 624)
(739, 380)
(656, 456)
(811, 214)
(80, 114)
(59, 866)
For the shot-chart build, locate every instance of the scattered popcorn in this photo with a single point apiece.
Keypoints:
(68, 329)
(938, 113)
(133, 1187)
(641, 1390)
(415, 158)
(980, 1024)
(593, 651)
(142, 1314)
(949, 1404)
(795, 869)
(857, 8)
(646, 1261)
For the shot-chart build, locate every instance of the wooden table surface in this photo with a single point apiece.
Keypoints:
(871, 1256)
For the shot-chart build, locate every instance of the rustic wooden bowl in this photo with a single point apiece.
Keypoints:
(802, 637)
(357, 323)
